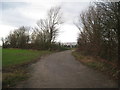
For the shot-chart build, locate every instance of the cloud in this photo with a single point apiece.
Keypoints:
(47, 0)
(9, 5)
(12, 14)
(15, 14)
(4, 30)
(68, 33)
(73, 9)
(18, 14)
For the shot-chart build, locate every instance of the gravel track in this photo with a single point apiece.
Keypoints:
(61, 70)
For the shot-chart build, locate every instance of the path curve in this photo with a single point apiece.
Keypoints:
(61, 70)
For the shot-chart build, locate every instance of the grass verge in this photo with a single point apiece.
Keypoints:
(15, 63)
(107, 68)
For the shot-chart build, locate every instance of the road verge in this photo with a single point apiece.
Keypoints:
(99, 64)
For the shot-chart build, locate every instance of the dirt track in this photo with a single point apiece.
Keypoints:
(61, 70)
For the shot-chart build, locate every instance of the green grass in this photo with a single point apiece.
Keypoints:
(0, 56)
(12, 57)
(12, 78)
(78, 55)
(15, 63)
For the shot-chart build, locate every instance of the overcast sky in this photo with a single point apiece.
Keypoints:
(14, 14)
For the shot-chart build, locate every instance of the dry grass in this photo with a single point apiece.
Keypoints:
(102, 65)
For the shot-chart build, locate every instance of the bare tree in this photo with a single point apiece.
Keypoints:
(50, 24)
(99, 27)
(54, 19)
(18, 38)
(47, 29)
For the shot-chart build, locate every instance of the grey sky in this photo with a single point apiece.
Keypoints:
(15, 14)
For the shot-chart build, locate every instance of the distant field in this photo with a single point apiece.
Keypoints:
(12, 57)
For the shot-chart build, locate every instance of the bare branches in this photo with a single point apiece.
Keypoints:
(49, 25)
(99, 29)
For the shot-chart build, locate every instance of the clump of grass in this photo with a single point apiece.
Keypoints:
(12, 78)
(78, 55)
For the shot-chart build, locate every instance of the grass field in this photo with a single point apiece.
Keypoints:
(12, 57)
(15, 63)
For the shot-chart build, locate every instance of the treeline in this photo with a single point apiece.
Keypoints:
(42, 37)
(99, 29)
